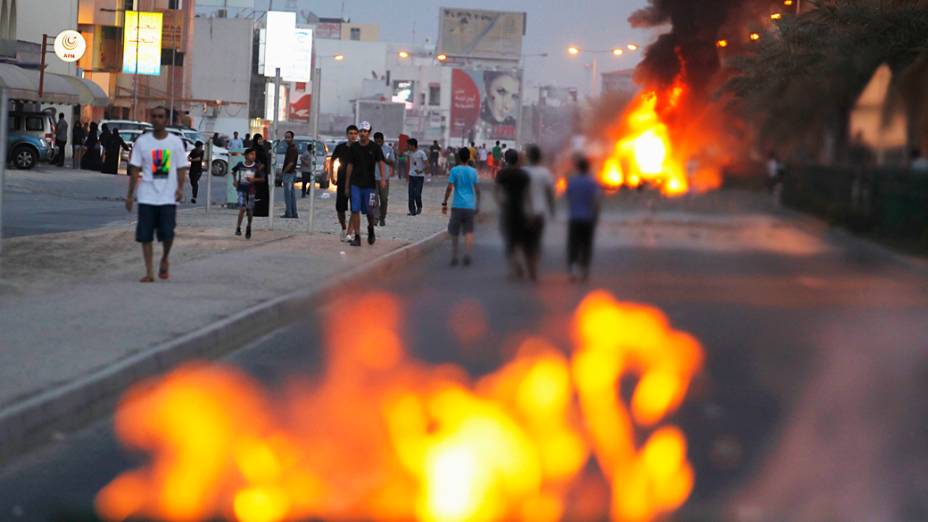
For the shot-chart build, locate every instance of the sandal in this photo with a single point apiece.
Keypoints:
(147, 279)
(163, 271)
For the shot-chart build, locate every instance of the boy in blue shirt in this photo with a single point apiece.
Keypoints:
(583, 198)
(463, 183)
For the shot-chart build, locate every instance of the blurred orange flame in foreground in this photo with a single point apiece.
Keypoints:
(382, 436)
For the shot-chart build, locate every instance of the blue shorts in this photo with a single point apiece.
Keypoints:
(359, 199)
(155, 218)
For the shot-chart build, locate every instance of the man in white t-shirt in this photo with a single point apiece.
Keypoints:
(158, 166)
(540, 203)
(417, 163)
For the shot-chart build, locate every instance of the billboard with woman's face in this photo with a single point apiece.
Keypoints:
(485, 105)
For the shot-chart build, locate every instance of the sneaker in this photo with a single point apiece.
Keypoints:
(248, 233)
(371, 237)
(193, 201)
(238, 231)
(356, 242)
(466, 260)
(346, 238)
(383, 222)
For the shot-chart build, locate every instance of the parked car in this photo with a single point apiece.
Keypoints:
(122, 125)
(30, 138)
(320, 150)
(129, 136)
(26, 150)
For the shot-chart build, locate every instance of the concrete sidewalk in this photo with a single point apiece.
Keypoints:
(71, 308)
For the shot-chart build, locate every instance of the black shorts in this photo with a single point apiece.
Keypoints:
(341, 199)
(160, 218)
(461, 222)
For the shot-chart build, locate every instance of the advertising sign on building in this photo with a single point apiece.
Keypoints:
(70, 46)
(475, 33)
(485, 105)
(287, 48)
(142, 43)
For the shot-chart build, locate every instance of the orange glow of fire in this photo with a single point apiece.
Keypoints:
(383, 437)
(644, 153)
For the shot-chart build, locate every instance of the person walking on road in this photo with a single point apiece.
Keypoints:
(246, 176)
(383, 175)
(361, 185)
(196, 169)
(434, 155)
(463, 183)
(78, 135)
(158, 166)
(338, 174)
(540, 203)
(61, 139)
(417, 161)
(497, 155)
(262, 190)
(482, 154)
(289, 176)
(307, 161)
(583, 199)
(511, 193)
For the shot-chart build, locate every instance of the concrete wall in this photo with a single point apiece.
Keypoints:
(369, 32)
(221, 70)
(37, 17)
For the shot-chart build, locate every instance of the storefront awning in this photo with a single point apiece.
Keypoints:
(23, 84)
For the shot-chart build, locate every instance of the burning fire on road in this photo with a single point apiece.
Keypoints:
(381, 436)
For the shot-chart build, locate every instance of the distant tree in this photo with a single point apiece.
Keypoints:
(801, 85)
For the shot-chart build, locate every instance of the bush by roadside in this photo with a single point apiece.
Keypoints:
(890, 205)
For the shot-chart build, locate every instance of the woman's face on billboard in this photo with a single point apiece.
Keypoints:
(503, 95)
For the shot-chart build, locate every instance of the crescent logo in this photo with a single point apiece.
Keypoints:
(70, 46)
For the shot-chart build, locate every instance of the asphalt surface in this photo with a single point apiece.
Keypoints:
(804, 410)
(51, 199)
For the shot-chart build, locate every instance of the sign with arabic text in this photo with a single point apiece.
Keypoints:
(142, 43)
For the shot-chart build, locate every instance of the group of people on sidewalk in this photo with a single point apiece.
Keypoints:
(94, 147)
(159, 165)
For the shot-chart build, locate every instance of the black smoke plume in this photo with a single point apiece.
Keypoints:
(689, 47)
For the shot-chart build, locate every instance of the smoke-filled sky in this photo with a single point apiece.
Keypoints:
(553, 25)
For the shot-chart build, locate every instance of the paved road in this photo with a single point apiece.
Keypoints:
(808, 407)
(49, 199)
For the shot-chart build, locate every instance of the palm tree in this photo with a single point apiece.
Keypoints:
(800, 86)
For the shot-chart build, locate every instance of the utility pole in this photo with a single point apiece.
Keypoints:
(272, 180)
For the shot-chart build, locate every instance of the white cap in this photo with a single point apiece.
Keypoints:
(365, 125)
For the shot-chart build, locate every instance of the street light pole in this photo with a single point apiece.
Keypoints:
(271, 176)
(593, 86)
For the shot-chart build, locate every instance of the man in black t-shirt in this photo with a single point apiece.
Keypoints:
(434, 154)
(511, 190)
(362, 185)
(338, 170)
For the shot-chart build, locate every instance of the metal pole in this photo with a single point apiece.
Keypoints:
(272, 178)
(135, 83)
(209, 175)
(4, 127)
(42, 67)
(317, 92)
(173, 67)
(593, 84)
(312, 192)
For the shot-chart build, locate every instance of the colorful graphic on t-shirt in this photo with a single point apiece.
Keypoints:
(160, 163)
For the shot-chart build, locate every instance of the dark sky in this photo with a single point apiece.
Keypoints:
(553, 25)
